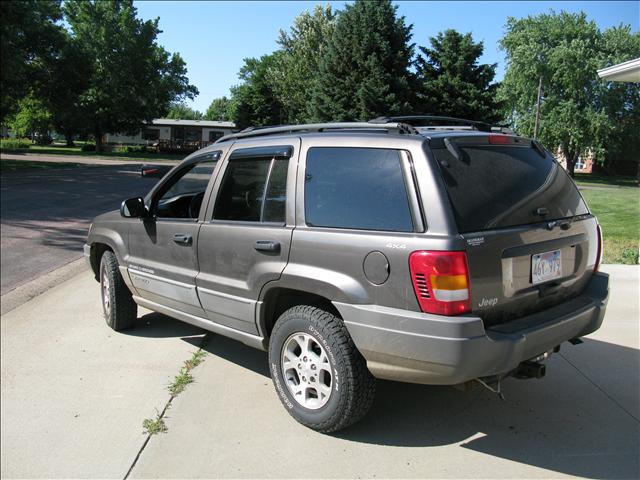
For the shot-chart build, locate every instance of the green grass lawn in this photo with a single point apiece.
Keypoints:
(618, 211)
(13, 165)
(591, 179)
(64, 150)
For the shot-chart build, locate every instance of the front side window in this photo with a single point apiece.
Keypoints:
(182, 196)
(359, 188)
(253, 188)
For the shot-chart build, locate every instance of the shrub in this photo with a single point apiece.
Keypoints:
(14, 143)
(136, 149)
(88, 147)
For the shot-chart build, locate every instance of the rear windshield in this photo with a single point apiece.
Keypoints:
(494, 186)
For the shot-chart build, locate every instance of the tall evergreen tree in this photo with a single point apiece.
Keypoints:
(452, 83)
(365, 72)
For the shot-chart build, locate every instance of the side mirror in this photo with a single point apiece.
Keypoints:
(133, 208)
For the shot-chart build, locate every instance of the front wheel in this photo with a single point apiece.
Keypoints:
(120, 311)
(320, 376)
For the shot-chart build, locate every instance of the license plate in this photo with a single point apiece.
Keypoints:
(545, 266)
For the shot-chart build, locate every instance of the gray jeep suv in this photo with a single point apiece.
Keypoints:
(392, 249)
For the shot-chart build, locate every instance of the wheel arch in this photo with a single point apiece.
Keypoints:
(277, 300)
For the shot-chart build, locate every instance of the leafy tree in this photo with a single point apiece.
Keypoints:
(220, 109)
(67, 78)
(296, 75)
(180, 111)
(29, 35)
(254, 102)
(621, 103)
(565, 50)
(132, 79)
(32, 119)
(453, 83)
(365, 71)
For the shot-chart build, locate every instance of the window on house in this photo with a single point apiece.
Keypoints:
(151, 134)
(215, 135)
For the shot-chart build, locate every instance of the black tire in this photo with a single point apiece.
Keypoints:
(122, 311)
(352, 386)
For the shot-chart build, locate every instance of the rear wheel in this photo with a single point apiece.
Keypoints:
(120, 311)
(319, 375)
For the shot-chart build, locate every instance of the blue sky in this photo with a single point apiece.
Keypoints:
(214, 37)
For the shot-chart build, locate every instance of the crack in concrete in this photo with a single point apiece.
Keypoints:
(600, 388)
(205, 339)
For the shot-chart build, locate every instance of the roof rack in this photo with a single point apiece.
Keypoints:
(418, 120)
(395, 127)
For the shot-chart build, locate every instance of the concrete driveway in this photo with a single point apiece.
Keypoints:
(74, 395)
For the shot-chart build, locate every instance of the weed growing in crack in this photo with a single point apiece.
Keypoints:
(153, 426)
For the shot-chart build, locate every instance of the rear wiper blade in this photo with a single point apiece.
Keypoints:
(564, 224)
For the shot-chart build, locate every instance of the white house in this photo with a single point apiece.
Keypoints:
(170, 134)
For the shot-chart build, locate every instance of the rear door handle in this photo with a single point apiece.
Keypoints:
(267, 246)
(182, 239)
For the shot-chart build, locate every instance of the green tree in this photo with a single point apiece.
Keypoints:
(220, 109)
(565, 50)
(32, 119)
(365, 71)
(132, 79)
(29, 35)
(452, 83)
(296, 74)
(621, 103)
(67, 78)
(254, 102)
(180, 111)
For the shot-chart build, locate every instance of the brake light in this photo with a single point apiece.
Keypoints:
(600, 250)
(441, 281)
(499, 139)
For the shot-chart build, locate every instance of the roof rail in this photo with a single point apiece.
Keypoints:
(415, 120)
(395, 127)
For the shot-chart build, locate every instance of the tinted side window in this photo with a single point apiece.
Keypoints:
(275, 200)
(361, 188)
(183, 194)
(253, 190)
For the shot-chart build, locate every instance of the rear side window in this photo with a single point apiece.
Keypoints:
(359, 188)
(502, 186)
(253, 188)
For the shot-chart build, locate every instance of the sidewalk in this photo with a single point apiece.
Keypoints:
(34, 157)
(74, 395)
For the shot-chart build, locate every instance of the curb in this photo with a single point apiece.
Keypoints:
(28, 291)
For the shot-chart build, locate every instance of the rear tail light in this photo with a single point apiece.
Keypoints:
(499, 139)
(600, 250)
(441, 281)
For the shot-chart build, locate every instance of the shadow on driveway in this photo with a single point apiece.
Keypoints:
(561, 423)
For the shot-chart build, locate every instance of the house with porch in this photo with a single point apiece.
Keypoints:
(167, 134)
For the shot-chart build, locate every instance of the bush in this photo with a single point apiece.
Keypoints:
(136, 149)
(88, 147)
(14, 143)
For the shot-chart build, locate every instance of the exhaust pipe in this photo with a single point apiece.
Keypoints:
(530, 370)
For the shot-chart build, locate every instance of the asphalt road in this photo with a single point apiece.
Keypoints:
(74, 395)
(45, 214)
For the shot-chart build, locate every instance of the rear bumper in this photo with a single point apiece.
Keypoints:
(422, 348)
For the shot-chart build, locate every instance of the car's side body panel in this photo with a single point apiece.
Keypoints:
(231, 271)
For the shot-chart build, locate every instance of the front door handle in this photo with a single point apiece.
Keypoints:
(182, 239)
(267, 246)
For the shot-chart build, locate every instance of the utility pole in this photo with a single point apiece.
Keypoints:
(537, 126)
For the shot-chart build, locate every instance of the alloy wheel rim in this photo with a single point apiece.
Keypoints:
(306, 371)
(106, 292)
